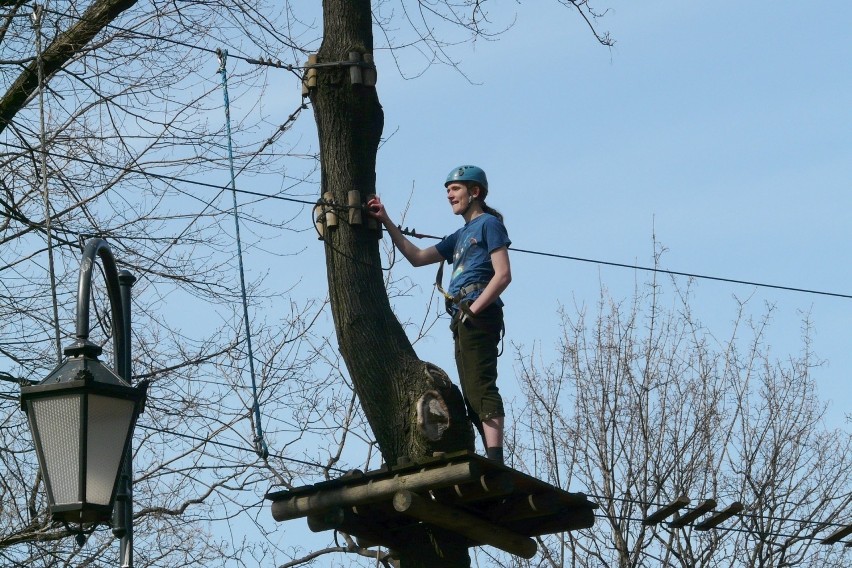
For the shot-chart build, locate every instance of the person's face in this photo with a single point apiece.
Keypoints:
(459, 197)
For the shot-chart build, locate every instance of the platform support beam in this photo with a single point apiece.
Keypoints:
(463, 523)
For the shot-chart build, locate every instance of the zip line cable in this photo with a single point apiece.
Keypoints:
(38, 12)
(269, 62)
(284, 127)
(165, 177)
(552, 255)
(260, 444)
(687, 274)
(740, 516)
(413, 233)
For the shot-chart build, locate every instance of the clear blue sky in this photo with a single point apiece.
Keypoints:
(725, 128)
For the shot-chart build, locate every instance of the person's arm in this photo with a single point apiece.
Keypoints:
(498, 283)
(414, 254)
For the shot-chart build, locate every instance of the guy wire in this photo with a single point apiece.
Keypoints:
(37, 14)
(260, 444)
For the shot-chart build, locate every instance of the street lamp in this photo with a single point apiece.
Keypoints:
(83, 414)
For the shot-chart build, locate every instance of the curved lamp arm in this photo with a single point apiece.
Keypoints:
(99, 247)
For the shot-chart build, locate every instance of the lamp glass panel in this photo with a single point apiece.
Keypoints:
(109, 425)
(57, 421)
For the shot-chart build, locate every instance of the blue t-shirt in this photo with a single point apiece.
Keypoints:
(469, 251)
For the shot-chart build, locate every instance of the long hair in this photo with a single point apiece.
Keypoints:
(483, 193)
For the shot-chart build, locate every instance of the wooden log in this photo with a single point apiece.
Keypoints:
(666, 511)
(569, 519)
(354, 200)
(529, 506)
(372, 223)
(489, 486)
(369, 534)
(837, 535)
(355, 76)
(319, 220)
(311, 72)
(330, 213)
(720, 517)
(381, 512)
(683, 520)
(286, 507)
(370, 73)
(463, 523)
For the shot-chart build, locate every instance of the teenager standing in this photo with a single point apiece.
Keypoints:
(479, 253)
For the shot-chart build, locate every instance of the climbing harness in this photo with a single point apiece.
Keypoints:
(464, 308)
(450, 300)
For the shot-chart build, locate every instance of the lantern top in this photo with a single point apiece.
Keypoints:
(82, 364)
(83, 370)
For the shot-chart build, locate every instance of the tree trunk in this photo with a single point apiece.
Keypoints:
(388, 377)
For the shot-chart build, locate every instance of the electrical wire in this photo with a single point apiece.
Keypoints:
(237, 447)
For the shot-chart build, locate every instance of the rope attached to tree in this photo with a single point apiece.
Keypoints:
(259, 443)
(38, 11)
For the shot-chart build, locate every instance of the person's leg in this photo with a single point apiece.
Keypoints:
(463, 382)
(493, 428)
(493, 434)
(476, 358)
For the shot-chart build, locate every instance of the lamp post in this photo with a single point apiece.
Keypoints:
(83, 414)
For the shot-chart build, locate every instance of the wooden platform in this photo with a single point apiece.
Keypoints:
(484, 501)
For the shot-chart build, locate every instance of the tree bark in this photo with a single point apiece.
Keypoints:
(386, 372)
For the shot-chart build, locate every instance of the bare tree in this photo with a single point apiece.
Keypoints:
(111, 122)
(109, 145)
(643, 405)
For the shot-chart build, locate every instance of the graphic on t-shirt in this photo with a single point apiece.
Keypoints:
(461, 252)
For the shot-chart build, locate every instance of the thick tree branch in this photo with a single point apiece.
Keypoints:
(57, 54)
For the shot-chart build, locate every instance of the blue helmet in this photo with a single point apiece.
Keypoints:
(468, 173)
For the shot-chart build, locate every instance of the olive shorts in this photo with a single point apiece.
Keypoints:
(476, 344)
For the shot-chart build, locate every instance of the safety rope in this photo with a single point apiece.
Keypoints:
(259, 443)
(38, 11)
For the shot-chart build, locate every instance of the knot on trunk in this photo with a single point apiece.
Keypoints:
(438, 413)
(433, 417)
(437, 377)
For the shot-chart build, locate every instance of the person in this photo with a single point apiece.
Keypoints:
(479, 253)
